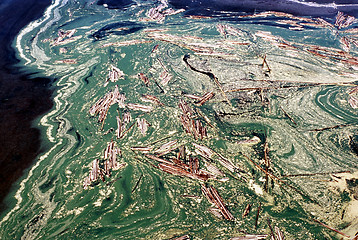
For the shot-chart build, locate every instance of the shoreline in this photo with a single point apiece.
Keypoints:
(22, 98)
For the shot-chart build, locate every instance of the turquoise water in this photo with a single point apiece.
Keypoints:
(140, 201)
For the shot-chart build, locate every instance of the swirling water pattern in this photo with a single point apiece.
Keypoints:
(50, 201)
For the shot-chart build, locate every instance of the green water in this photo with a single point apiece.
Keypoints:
(50, 202)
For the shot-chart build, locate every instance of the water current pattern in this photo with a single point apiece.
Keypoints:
(168, 125)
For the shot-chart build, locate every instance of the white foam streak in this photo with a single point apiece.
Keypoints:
(68, 87)
(36, 24)
(44, 120)
(326, 5)
(24, 182)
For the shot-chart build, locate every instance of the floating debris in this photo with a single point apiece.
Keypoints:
(62, 50)
(155, 48)
(214, 197)
(250, 237)
(110, 156)
(143, 125)
(331, 228)
(184, 237)
(180, 168)
(166, 147)
(166, 77)
(353, 101)
(343, 20)
(247, 210)
(190, 125)
(152, 99)
(203, 151)
(191, 96)
(142, 149)
(206, 97)
(120, 127)
(93, 175)
(332, 127)
(184, 157)
(159, 13)
(110, 163)
(102, 106)
(67, 61)
(252, 141)
(313, 174)
(212, 169)
(287, 115)
(257, 215)
(122, 123)
(208, 73)
(137, 184)
(114, 74)
(221, 29)
(65, 37)
(346, 45)
(225, 30)
(144, 79)
(177, 170)
(228, 164)
(279, 234)
(140, 107)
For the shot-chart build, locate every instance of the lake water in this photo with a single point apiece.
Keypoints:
(283, 104)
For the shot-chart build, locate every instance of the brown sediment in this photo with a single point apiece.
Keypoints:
(22, 98)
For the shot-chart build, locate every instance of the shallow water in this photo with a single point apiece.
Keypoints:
(276, 103)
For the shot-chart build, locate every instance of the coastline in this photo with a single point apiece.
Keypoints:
(22, 98)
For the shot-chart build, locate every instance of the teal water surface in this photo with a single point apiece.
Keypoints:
(308, 129)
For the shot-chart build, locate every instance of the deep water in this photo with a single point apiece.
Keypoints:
(23, 96)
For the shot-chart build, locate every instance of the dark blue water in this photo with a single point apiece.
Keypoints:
(22, 97)
(115, 4)
(297, 7)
